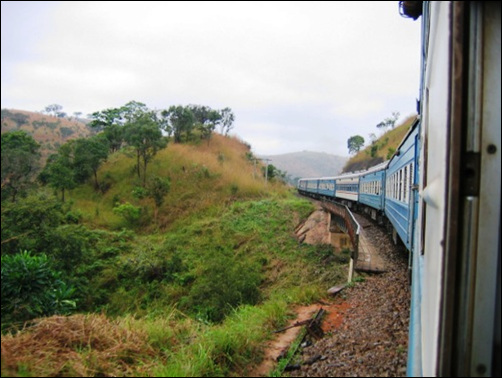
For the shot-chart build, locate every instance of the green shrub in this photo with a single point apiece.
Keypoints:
(139, 192)
(32, 288)
(225, 283)
(129, 212)
(26, 223)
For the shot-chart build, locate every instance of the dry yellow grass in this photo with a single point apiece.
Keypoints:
(383, 147)
(202, 176)
(78, 345)
(45, 129)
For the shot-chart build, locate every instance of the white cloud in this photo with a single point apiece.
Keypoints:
(353, 62)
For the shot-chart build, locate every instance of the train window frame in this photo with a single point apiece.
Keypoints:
(405, 186)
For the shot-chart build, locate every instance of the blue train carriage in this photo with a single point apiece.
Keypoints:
(302, 186)
(455, 322)
(347, 188)
(399, 181)
(372, 189)
(327, 187)
(308, 186)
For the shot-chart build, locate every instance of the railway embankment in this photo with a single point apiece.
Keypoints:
(370, 335)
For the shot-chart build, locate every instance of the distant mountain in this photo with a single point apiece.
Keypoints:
(49, 131)
(307, 164)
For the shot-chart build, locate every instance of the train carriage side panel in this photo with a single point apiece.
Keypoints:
(327, 187)
(312, 185)
(302, 185)
(347, 187)
(399, 181)
(372, 187)
(456, 275)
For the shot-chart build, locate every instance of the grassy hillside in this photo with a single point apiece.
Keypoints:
(50, 132)
(202, 176)
(195, 292)
(382, 149)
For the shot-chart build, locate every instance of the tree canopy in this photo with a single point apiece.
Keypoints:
(143, 133)
(58, 172)
(354, 143)
(20, 162)
(389, 121)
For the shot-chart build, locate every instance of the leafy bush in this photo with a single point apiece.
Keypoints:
(225, 283)
(139, 192)
(70, 245)
(129, 212)
(27, 224)
(31, 288)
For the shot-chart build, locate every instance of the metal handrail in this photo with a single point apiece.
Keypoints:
(348, 224)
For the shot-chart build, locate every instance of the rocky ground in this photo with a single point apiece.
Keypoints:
(371, 336)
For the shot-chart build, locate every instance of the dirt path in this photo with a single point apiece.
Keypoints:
(281, 343)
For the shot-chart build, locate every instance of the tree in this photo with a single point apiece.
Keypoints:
(89, 153)
(206, 120)
(227, 120)
(180, 120)
(110, 121)
(59, 170)
(144, 134)
(53, 109)
(354, 143)
(272, 172)
(20, 156)
(389, 121)
(132, 110)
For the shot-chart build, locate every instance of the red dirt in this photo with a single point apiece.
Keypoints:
(334, 316)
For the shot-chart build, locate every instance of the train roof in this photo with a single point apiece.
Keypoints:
(377, 167)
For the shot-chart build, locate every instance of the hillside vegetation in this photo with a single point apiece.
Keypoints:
(49, 131)
(189, 285)
(382, 149)
(202, 175)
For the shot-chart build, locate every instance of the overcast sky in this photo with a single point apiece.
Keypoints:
(297, 75)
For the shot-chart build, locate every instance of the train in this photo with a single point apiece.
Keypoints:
(440, 192)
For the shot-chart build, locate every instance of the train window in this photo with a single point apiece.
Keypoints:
(405, 186)
(394, 183)
(391, 189)
(412, 178)
(397, 185)
(394, 186)
(400, 193)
